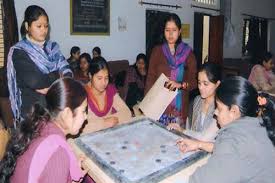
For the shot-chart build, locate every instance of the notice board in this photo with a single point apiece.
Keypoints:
(90, 17)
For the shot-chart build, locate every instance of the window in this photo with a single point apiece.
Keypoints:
(1, 37)
(207, 2)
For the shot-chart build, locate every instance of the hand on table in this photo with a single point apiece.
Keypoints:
(111, 121)
(187, 145)
(82, 165)
(174, 126)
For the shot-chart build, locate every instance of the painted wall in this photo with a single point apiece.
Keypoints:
(261, 8)
(119, 45)
(127, 44)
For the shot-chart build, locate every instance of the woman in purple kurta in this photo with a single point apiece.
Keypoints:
(176, 60)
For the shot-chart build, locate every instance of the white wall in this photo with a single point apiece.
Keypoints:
(261, 8)
(119, 45)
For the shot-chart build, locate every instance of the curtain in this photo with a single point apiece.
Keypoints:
(263, 36)
(253, 40)
(257, 39)
(216, 39)
(10, 25)
(10, 32)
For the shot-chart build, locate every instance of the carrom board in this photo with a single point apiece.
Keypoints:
(138, 152)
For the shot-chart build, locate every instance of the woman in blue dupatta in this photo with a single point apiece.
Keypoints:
(176, 60)
(32, 62)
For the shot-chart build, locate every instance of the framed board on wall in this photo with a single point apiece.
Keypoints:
(185, 31)
(90, 17)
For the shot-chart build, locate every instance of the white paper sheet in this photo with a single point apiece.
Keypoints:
(157, 99)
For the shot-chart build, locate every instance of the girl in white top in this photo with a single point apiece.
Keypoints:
(202, 124)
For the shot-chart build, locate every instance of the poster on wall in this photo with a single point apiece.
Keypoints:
(185, 31)
(90, 17)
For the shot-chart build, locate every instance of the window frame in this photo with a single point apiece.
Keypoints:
(207, 2)
(2, 61)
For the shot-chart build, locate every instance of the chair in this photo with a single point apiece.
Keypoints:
(118, 71)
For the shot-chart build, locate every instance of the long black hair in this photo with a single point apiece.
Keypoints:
(97, 50)
(266, 57)
(173, 18)
(87, 56)
(268, 115)
(98, 64)
(239, 91)
(212, 71)
(143, 57)
(74, 50)
(32, 13)
(63, 93)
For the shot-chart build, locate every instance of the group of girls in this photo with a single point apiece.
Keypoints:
(239, 137)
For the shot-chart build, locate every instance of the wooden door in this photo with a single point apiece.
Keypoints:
(216, 39)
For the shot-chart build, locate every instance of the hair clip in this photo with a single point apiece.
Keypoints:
(262, 101)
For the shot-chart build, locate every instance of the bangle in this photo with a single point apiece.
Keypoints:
(187, 84)
(184, 85)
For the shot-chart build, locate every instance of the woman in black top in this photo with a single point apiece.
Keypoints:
(31, 63)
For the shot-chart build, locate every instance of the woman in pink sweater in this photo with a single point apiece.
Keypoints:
(38, 152)
(262, 76)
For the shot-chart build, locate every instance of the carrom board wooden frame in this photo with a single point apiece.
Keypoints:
(96, 165)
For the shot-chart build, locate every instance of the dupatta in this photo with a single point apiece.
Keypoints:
(109, 98)
(47, 58)
(176, 63)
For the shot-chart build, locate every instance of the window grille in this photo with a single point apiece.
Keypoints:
(1, 37)
(207, 2)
